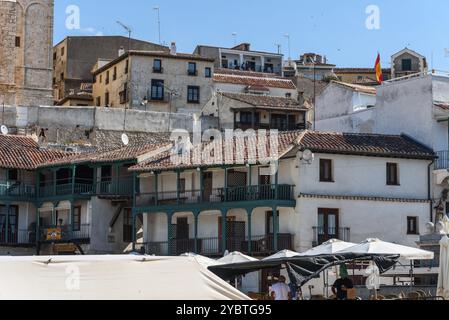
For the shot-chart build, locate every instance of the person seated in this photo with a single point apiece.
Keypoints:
(341, 286)
(280, 290)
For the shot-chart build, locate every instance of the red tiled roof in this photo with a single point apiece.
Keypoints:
(364, 144)
(127, 153)
(253, 79)
(265, 101)
(319, 142)
(20, 152)
(357, 87)
(441, 105)
(163, 161)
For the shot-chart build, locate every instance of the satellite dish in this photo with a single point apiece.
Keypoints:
(308, 155)
(4, 130)
(125, 139)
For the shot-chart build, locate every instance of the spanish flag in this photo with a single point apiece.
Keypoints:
(378, 68)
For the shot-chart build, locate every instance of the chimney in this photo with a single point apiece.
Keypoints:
(121, 51)
(173, 48)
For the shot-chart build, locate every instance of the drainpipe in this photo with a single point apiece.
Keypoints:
(429, 187)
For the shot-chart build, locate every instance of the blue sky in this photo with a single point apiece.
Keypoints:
(333, 28)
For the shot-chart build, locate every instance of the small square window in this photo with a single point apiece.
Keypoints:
(18, 42)
(412, 226)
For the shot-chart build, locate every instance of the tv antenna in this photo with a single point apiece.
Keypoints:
(158, 9)
(234, 35)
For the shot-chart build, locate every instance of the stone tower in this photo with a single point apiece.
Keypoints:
(26, 41)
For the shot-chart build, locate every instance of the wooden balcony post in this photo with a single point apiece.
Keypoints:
(134, 230)
(250, 234)
(116, 174)
(7, 223)
(277, 181)
(226, 186)
(201, 185)
(55, 174)
(95, 179)
(275, 228)
(38, 183)
(73, 178)
(195, 219)
(224, 213)
(72, 220)
(38, 227)
(178, 189)
(169, 232)
(135, 182)
(156, 187)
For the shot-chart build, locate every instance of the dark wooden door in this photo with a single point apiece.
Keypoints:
(207, 185)
(328, 224)
(182, 229)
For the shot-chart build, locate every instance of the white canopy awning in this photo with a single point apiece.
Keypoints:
(376, 246)
(236, 257)
(123, 277)
(282, 254)
(329, 247)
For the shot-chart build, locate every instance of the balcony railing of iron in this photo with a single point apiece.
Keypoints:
(321, 234)
(443, 160)
(66, 187)
(64, 233)
(121, 186)
(18, 237)
(17, 189)
(231, 194)
(213, 247)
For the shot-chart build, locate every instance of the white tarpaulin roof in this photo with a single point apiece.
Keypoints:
(204, 261)
(282, 254)
(329, 247)
(236, 257)
(111, 278)
(376, 246)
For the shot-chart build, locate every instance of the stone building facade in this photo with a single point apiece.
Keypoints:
(26, 29)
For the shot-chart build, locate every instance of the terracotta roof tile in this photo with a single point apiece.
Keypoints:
(265, 101)
(365, 144)
(253, 79)
(357, 87)
(163, 161)
(20, 152)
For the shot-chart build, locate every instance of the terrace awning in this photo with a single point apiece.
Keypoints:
(303, 269)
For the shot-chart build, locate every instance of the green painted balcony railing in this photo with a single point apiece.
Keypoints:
(218, 195)
(17, 190)
(212, 247)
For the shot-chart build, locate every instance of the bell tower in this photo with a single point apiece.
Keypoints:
(26, 41)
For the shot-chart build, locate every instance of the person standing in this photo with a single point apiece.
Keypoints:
(280, 290)
(342, 285)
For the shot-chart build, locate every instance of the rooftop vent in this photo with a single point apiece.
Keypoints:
(121, 51)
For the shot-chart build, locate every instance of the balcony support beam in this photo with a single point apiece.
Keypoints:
(250, 234)
(178, 187)
(72, 219)
(224, 214)
(226, 185)
(55, 175)
(275, 228)
(156, 187)
(195, 230)
(116, 174)
(73, 178)
(169, 232)
(201, 185)
(8, 207)
(38, 227)
(133, 233)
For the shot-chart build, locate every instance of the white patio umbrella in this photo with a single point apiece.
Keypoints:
(282, 254)
(376, 246)
(329, 247)
(443, 273)
(236, 257)
(204, 261)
